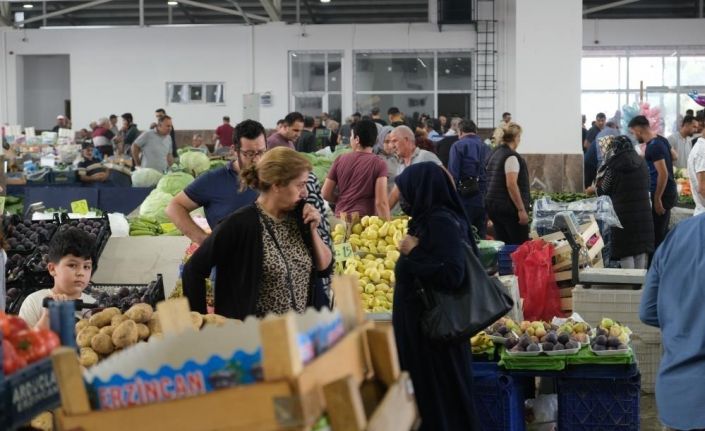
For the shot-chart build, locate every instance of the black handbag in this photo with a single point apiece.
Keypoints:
(459, 314)
(469, 187)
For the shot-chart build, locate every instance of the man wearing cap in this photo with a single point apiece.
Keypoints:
(90, 170)
(61, 123)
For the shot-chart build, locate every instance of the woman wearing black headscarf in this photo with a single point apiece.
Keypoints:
(433, 252)
(624, 177)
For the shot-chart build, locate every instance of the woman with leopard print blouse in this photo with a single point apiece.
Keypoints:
(269, 256)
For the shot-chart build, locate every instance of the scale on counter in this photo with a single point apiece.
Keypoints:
(567, 223)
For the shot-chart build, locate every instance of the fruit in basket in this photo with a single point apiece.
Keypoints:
(102, 344)
(533, 347)
(572, 344)
(125, 334)
(11, 361)
(83, 338)
(481, 342)
(611, 329)
(87, 357)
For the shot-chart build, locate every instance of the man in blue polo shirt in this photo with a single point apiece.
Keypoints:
(663, 187)
(218, 191)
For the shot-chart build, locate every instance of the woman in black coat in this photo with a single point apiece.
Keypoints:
(624, 177)
(432, 252)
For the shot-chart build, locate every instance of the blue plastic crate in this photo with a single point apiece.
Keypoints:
(28, 392)
(498, 397)
(599, 404)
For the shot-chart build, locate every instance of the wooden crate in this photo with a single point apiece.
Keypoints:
(292, 397)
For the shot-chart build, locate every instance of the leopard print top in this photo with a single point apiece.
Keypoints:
(294, 261)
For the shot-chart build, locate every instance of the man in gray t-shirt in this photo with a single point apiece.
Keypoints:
(152, 149)
(404, 142)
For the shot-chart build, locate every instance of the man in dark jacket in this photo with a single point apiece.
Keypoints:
(467, 162)
(624, 177)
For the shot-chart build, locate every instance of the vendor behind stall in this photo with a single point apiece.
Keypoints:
(90, 170)
(110, 173)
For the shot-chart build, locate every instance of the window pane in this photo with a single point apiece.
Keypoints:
(455, 71)
(307, 72)
(394, 72)
(454, 105)
(308, 105)
(178, 93)
(334, 76)
(688, 103)
(600, 73)
(335, 103)
(623, 73)
(196, 93)
(593, 103)
(409, 104)
(646, 69)
(214, 93)
(670, 71)
(667, 103)
(692, 70)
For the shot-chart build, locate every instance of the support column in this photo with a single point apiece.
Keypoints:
(548, 50)
(547, 53)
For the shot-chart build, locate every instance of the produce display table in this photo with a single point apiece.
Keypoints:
(138, 259)
(594, 393)
(109, 199)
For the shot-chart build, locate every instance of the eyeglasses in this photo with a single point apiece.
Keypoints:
(252, 154)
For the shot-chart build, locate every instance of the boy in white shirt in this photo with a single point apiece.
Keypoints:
(71, 266)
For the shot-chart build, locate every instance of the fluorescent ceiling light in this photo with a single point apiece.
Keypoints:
(325, 1)
(28, 6)
(172, 3)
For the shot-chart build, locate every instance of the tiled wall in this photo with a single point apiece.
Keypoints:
(555, 172)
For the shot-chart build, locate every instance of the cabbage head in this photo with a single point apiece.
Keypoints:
(145, 177)
(194, 162)
(155, 204)
(174, 182)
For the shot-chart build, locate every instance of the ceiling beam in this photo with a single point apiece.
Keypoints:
(187, 14)
(314, 19)
(224, 10)
(608, 6)
(270, 8)
(239, 9)
(62, 12)
(57, 6)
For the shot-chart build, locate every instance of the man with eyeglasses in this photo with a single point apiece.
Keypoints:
(218, 191)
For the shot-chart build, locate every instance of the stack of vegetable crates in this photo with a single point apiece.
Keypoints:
(622, 304)
(498, 398)
(357, 383)
(607, 402)
(591, 243)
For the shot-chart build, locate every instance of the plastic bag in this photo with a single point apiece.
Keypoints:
(537, 283)
(119, 226)
(545, 210)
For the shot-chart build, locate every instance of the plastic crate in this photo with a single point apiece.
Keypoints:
(67, 176)
(648, 356)
(498, 397)
(599, 404)
(28, 392)
(620, 304)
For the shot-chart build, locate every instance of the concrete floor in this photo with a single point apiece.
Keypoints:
(649, 415)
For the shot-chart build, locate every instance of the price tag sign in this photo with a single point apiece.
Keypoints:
(343, 252)
(79, 207)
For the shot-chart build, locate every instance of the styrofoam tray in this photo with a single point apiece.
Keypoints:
(564, 352)
(612, 352)
(510, 353)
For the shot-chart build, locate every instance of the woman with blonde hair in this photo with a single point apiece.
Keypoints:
(508, 195)
(268, 255)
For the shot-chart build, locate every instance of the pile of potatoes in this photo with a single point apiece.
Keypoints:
(110, 331)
